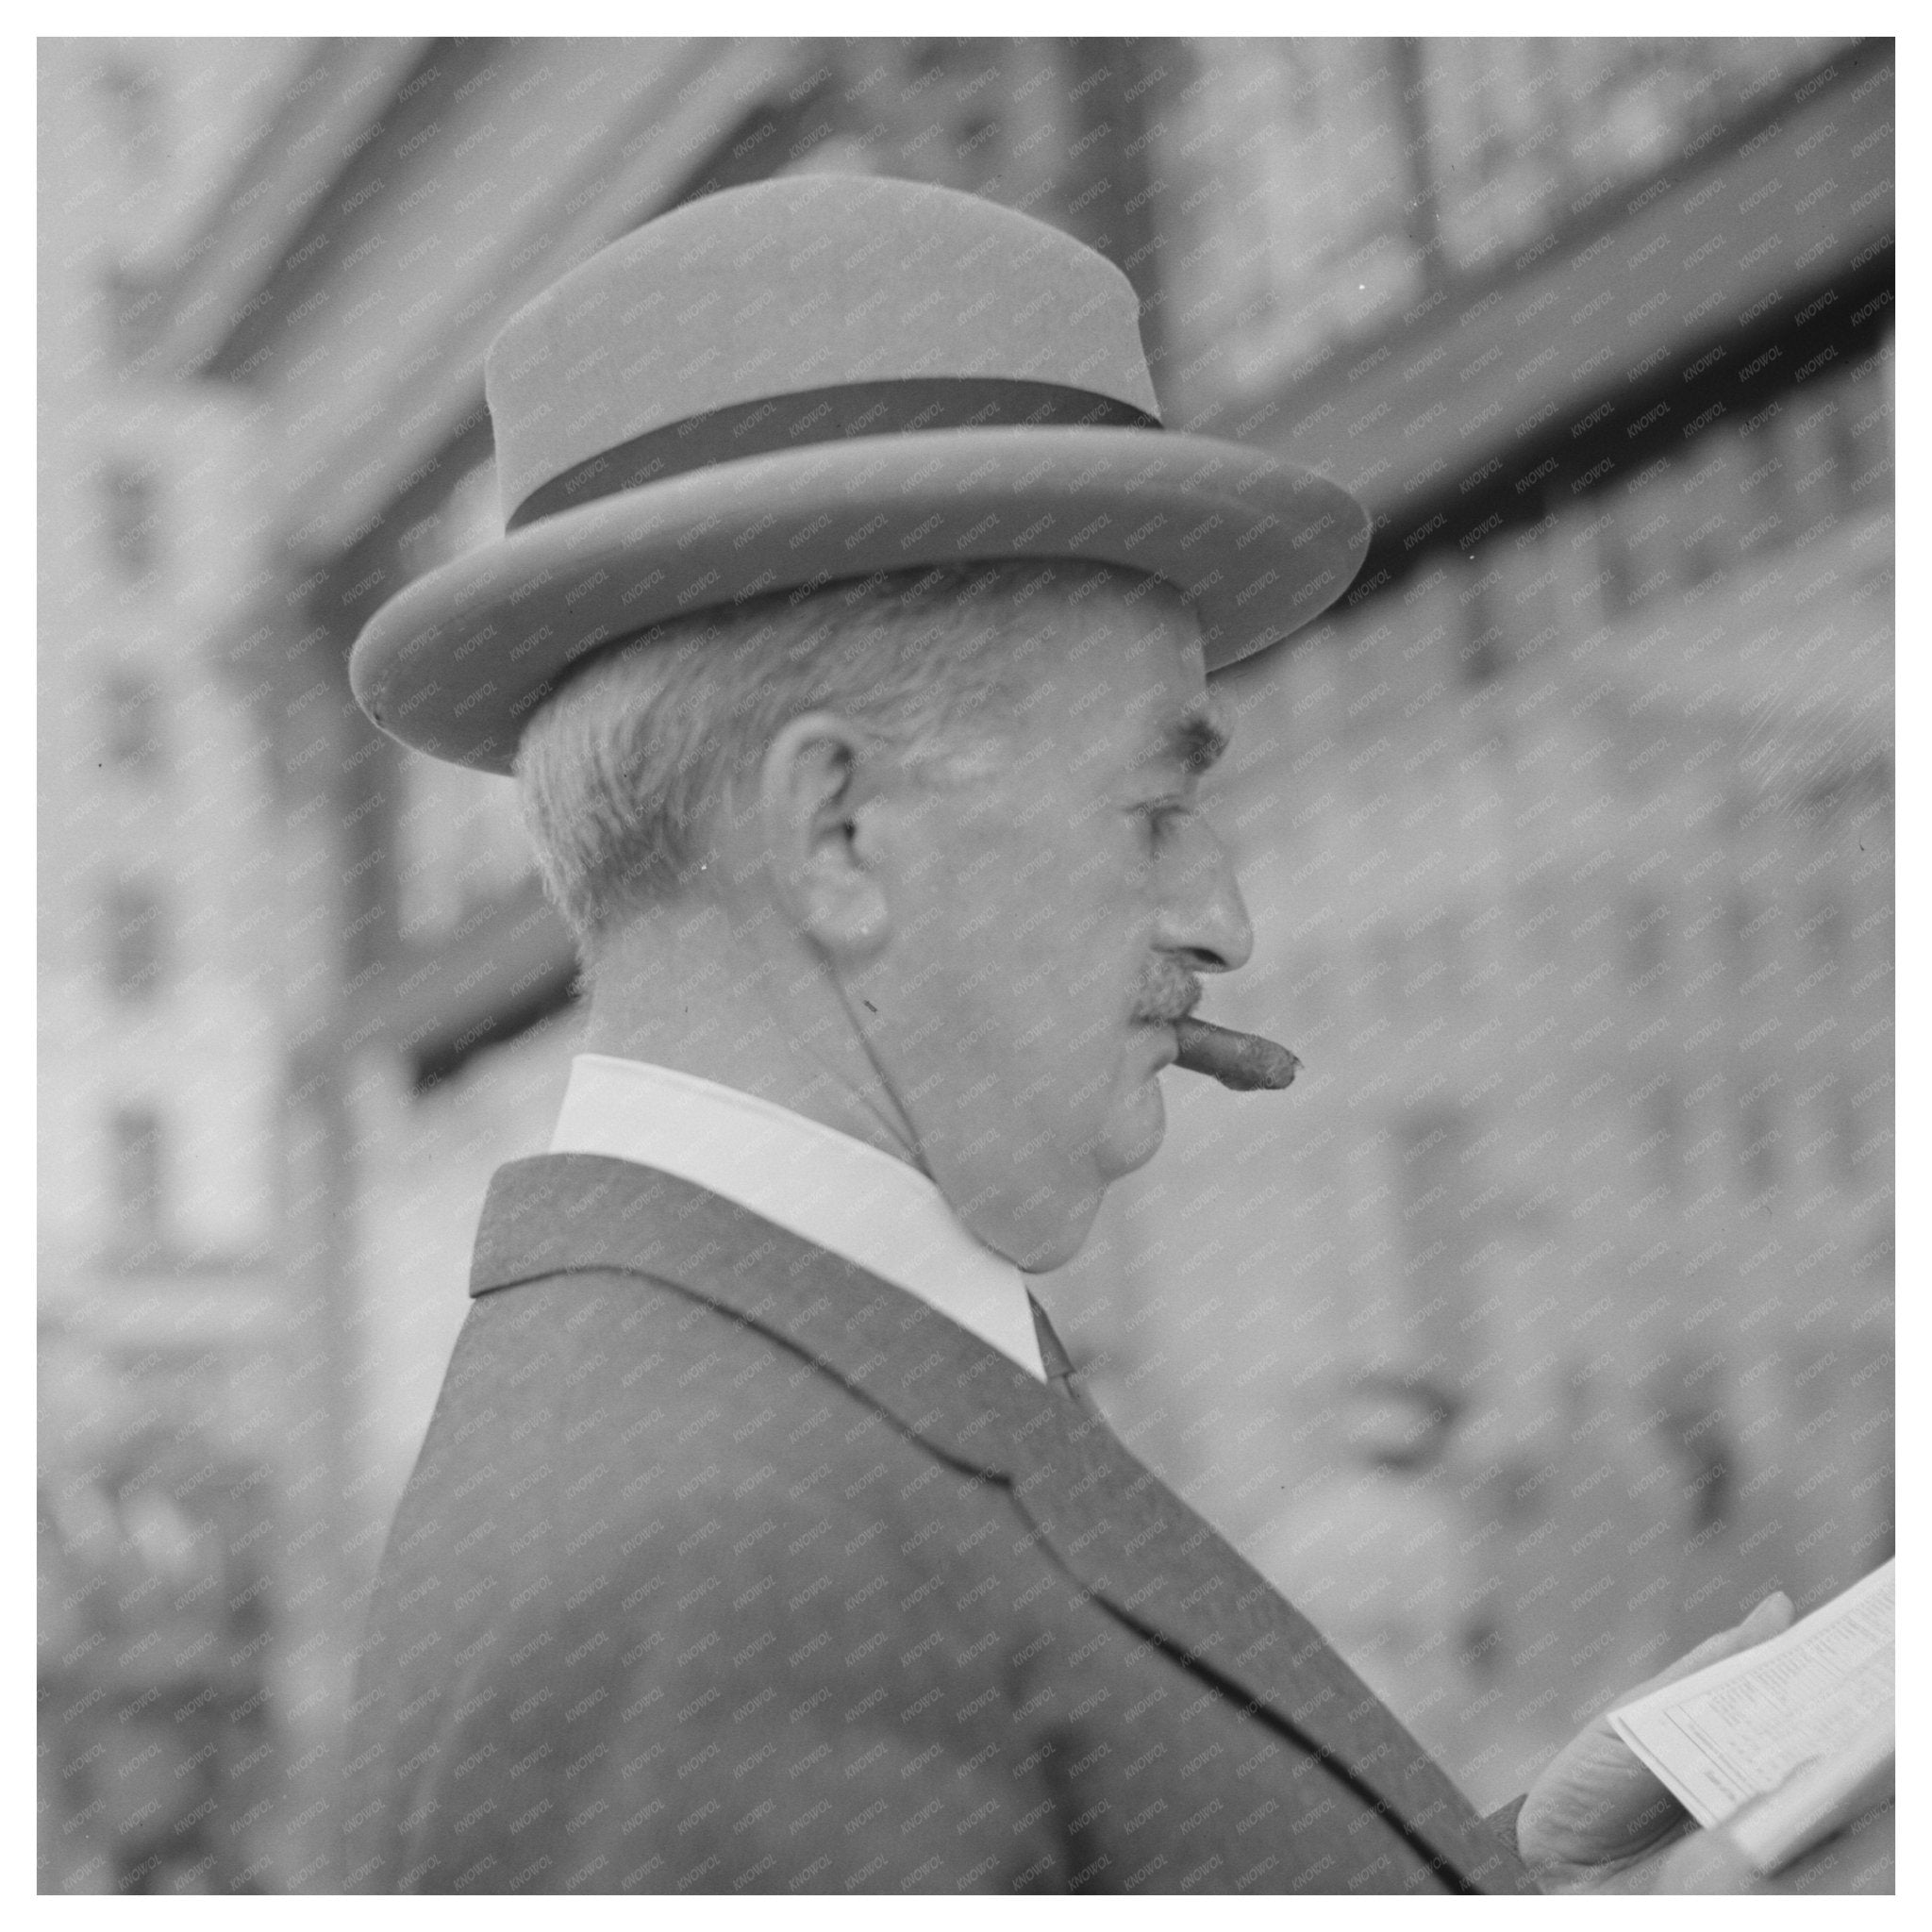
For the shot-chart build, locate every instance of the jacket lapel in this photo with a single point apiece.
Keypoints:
(1134, 1544)
(1113, 1524)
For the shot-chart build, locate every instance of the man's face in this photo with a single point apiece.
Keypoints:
(1064, 895)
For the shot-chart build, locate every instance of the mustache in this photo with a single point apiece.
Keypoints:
(1168, 992)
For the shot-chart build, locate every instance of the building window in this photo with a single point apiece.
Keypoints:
(1482, 646)
(134, 939)
(1742, 928)
(1664, 1112)
(468, 514)
(135, 93)
(1647, 932)
(134, 719)
(1443, 1324)
(1763, 1164)
(133, 494)
(137, 1179)
(1617, 569)
(928, 59)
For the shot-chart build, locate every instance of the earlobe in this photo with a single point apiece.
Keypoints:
(813, 791)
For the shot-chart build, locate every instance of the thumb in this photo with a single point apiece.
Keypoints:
(1770, 1618)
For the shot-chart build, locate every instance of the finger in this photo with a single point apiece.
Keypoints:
(1771, 1617)
(1597, 1799)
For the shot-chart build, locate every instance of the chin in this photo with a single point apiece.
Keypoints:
(1136, 1136)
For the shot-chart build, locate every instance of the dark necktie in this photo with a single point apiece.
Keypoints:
(1056, 1362)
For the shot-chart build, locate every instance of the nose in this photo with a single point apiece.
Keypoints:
(1204, 918)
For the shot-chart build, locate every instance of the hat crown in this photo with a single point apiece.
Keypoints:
(792, 286)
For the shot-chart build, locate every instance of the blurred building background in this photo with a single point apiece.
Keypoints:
(1544, 1326)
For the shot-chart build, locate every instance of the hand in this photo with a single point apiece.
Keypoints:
(1598, 1819)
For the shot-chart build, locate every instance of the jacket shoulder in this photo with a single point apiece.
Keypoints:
(666, 1563)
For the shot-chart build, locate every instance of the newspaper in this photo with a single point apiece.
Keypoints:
(1786, 1742)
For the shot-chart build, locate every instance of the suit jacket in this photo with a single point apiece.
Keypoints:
(727, 1566)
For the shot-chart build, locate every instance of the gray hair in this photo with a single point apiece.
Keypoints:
(621, 771)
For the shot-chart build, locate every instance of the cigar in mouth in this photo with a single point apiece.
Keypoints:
(1243, 1062)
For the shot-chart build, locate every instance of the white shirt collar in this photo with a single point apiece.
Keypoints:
(825, 1187)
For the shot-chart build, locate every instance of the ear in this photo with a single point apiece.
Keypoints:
(817, 783)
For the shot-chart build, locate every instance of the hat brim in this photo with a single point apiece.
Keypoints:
(455, 662)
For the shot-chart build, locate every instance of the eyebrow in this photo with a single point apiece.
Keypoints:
(1194, 741)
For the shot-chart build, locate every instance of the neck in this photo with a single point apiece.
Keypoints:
(745, 1004)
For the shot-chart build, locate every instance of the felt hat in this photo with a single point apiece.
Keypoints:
(819, 378)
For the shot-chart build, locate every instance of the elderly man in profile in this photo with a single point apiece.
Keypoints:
(849, 649)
